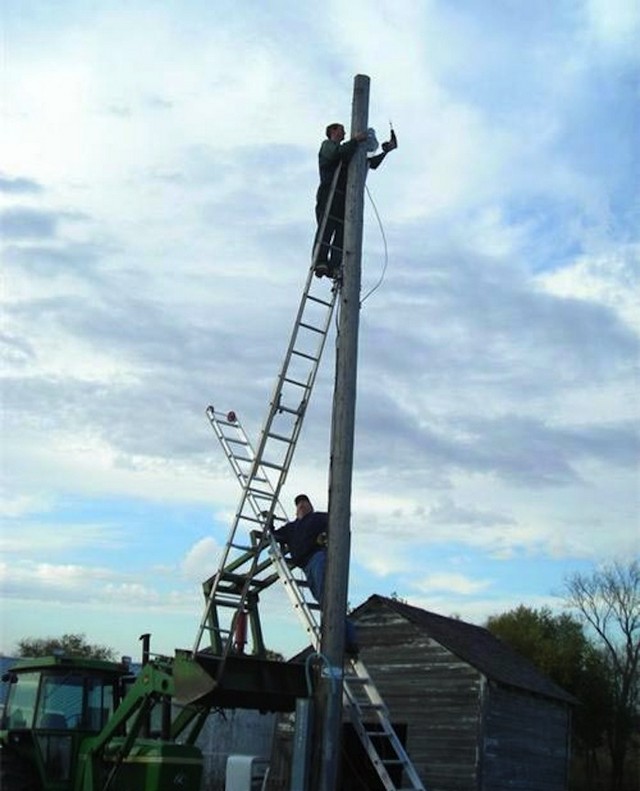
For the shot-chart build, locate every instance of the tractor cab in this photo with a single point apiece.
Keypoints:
(53, 703)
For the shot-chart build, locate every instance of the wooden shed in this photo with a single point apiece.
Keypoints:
(479, 717)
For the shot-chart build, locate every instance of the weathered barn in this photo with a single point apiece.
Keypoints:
(479, 717)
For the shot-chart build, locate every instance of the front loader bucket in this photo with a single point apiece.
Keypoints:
(238, 681)
(192, 682)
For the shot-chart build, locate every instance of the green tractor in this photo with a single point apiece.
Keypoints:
(73, 724)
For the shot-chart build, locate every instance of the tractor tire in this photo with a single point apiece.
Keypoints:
(17, 774)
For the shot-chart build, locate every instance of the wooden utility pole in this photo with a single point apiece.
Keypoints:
(342, 440)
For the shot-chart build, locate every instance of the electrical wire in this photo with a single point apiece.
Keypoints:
(386, 249)
(317, 655)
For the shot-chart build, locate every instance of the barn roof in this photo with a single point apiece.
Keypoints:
(474, 645)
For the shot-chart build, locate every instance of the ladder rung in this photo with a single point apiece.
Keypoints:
(259, 493)
(222, 422)
(319, 300)
(244, 458)
(236, 441)
(305, 355)
(289, 410)
(319, 330)
(272, 465)
(246, 476)
(280, 437)
(296, 382)
(248, 518)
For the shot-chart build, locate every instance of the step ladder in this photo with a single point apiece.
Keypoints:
(364, 704)
(242, 573)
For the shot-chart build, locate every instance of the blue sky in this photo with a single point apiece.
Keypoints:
(157, 188)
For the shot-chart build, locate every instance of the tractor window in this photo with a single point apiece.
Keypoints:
(21, 701)
(99, 703)
(60, 705)
(55, 750)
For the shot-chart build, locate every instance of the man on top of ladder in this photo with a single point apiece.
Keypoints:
(334, 152)
(306, 540)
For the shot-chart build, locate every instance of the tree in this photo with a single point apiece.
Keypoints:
(556, 644)
(68, 644)
(608, 600)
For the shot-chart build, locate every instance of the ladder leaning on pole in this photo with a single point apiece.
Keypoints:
(240, 576)
(364, 704)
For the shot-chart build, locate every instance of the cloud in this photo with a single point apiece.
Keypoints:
(38, 539)
(450, 583)
(160, 235)
(28, 223)
(200, 559)
(446, 512)
(19, 185)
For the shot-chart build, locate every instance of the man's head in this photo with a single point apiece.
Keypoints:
(335, 132)
(303, 505)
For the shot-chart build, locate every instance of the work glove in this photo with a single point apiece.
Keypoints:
(268, 525)
(391, 143)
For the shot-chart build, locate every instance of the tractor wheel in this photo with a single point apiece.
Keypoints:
(16, 773)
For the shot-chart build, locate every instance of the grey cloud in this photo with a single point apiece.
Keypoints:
(528, 451)
(523, 451)
(119, 110)
(448, 513)
(483, 323)
(44, 259)
(181, 367)
(16, 351)
(158, 103)
(19, 186)
(27, 223)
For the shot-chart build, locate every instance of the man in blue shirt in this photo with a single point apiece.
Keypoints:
(306, 540)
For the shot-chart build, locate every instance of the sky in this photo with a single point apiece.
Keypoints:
(157, 183)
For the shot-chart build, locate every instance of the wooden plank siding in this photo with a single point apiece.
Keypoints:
(479, 717)
(433, 692)
(524, 742)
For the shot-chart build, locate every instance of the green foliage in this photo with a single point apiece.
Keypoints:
(68, 644)
(555, 643)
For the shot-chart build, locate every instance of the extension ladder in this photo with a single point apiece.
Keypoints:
(242, 575)
(364, 704)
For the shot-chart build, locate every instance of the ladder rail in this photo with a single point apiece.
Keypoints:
(361, 698)
(255, 501)
(238, 581)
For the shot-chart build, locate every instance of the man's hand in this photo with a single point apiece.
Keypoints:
(391, 143)
(268, 524)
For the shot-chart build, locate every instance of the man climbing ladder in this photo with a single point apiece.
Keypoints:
(333, 154)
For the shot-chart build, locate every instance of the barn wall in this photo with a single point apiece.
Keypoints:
(525, 742)
(432, 691)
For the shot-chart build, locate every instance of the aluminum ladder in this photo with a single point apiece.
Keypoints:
(241, 574)
(364, 704)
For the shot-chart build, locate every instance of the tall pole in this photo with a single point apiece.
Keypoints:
(342, 439)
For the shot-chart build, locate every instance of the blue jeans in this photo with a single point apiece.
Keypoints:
(314, 571)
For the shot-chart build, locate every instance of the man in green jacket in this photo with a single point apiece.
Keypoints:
(334, 152)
